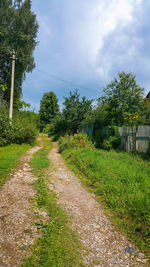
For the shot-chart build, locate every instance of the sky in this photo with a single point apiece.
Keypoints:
(87, 43)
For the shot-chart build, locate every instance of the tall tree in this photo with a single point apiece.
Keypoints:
(123, 99)
(49, 109)
(18, 30)
(75, 110)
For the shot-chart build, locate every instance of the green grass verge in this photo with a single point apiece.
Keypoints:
(122, 182)
(58, 245)
(9, 157)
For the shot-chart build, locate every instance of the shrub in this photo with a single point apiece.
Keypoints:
(78, 140)
(24, 135)
(57, 128)
(4, 128)
(21, 130)
(49, 129)
(107, 138)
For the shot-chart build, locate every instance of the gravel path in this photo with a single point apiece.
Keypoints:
(104, 245)
(16, 214)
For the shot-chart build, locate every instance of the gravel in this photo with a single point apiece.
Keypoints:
(103, 244)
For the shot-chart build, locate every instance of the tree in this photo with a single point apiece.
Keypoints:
(49, 109)
(75, 110)
(18, 31)
(123, 100)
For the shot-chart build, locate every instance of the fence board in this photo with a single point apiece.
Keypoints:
(135, 139)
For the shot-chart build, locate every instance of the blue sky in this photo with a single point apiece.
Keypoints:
(87, 43)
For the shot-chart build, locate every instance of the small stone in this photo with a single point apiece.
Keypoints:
(141, 255)
(130, 250)
(144, 261)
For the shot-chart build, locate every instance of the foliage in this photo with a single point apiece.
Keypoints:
(49, 128)
(3, 88)
(145, 114)
(57, 128)
(18, 31)
(9, 156)
(123, 99)
(58, 245)
(75, 111)
(121, 180)
(3, 103)
(99, 125)
(108, 138)
(122, 105)
(78, 140)
(104, 135)
(112, 141)
(70, 121)
(49, 109)
(23, 128)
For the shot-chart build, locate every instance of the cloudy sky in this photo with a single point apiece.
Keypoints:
(87, 43)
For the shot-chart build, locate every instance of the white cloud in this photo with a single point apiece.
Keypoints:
(85, 32)
(88, 42)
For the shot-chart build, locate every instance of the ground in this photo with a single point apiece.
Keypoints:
(103, 245)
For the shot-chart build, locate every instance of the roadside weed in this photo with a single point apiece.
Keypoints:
(58, 244)
(121, 181)
(9, 156)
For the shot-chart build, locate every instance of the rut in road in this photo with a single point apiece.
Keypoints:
(16, 214)
(104, 245)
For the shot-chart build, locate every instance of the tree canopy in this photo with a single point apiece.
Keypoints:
(49, 109)
(18, 31)
(75, 110)
(123, 99)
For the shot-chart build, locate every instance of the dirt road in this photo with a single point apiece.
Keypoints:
(16, 215)
(104, 245)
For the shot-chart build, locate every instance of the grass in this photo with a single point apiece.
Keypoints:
(58, 245)
(122, 182)
(9, 157)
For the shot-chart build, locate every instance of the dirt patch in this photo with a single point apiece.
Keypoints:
(104, 245)
(16, 214)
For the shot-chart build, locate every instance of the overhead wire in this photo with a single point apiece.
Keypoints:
(58, 78)
(65, 81)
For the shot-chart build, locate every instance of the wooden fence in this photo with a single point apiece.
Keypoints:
(135, 138)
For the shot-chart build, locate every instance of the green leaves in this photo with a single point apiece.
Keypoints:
(18, 30)
(75, 110)
(49, 109)
(3, 88)
(123, 95)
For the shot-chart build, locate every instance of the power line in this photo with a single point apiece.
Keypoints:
(65, 81)
(55, 76)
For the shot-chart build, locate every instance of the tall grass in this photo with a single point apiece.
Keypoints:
(9, 156)
(122, 181)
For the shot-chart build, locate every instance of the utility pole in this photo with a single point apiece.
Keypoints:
(12, 84)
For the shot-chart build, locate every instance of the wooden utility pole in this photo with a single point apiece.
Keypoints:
(12, 85)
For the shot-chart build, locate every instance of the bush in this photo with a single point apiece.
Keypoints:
(107, 138)
(49, 129)
(21, 130)
(78, 140)
(4, 128)
(57, 128)
(24, 135)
